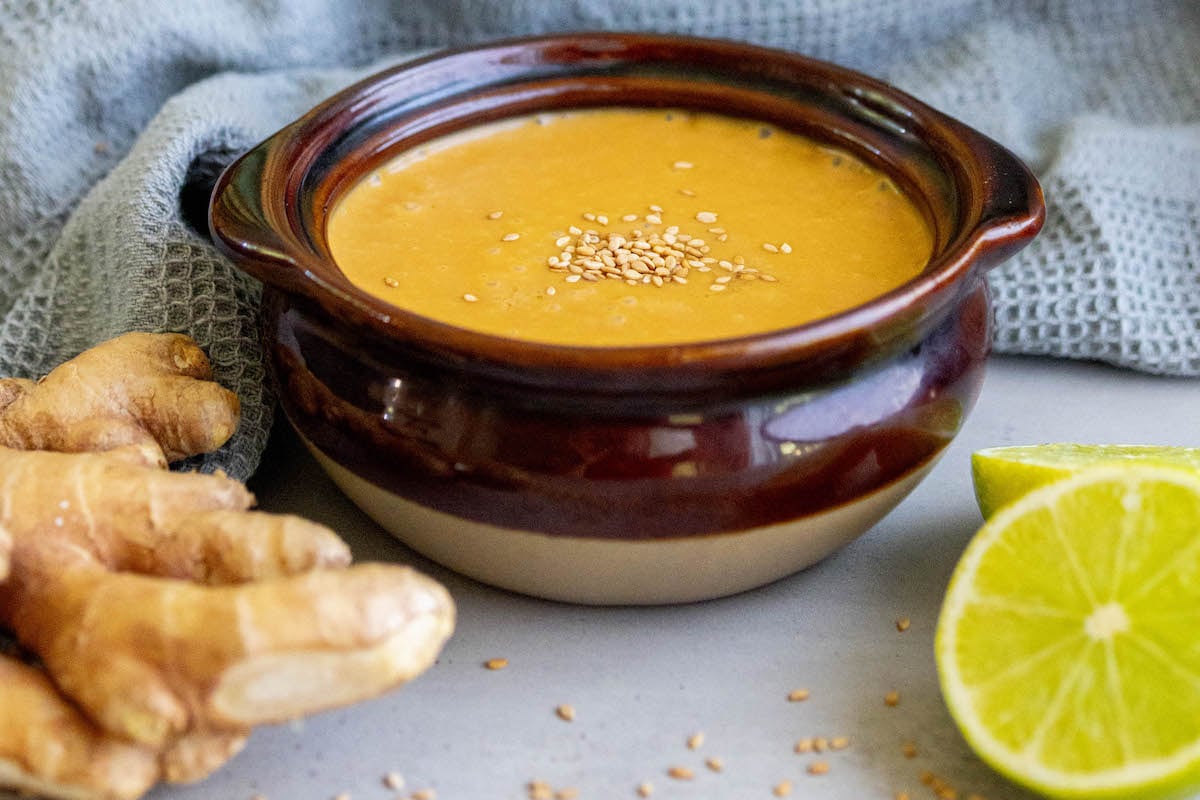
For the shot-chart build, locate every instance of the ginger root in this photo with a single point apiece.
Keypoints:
(169, 617)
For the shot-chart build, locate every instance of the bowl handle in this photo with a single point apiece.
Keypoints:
(1013, 207)
(241, 224)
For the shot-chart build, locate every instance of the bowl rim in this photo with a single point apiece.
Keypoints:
(257, 218)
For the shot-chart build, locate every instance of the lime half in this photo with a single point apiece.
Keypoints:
(1068, 645)
(1002, 474)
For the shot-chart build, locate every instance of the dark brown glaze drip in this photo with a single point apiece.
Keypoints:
(492, 455)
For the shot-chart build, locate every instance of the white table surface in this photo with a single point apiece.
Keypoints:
(642, 680)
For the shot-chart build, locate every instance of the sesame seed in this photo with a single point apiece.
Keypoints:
(892, 698)
(590, 217)
(769, 278)
(551, 291)
(714, 763)
(510, 237)
(903, 624)
(565, 712)
(770, 248)
(680, 773)
(707, 217)
(342, 796)
(562, 241)
(391, 282)
(683, 165)
(839, 743)
(785, 248)
(495, 215)
(725, 279)
(572, 279)
(687, 193)
(818, 768)
(629, 218)
(802, 746)
(695, 741)
(424, 794)
(653, 219)
(782, 789)
(470, 298)
(717, 287)
(539, 790)
(645, 789)
(602, 219)
(797, 695)
(393, 780)
(657, 209)
(566, 793)
(820, 743)
(496, 663)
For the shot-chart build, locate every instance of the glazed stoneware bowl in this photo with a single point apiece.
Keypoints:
(624, 475)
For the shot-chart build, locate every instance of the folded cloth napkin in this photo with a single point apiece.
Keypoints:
(118, 113)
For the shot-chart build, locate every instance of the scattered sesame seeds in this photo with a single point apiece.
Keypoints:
(891, 699)
(818, 768)
(510, 237)
(470, 298)
(706, 217)
(714, 763)
(903, 624)
(539, 790)
(782, 789)
(797, 695)
(496, 663)
(495, 215)
(645, 789)
(695, 741)
(565, 712)
(680, 773)
(683, 165)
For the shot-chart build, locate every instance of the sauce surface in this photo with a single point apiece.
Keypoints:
(627, 227)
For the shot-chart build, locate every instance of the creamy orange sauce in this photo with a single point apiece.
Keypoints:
(772, 229)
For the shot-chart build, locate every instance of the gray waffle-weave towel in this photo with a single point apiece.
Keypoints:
(116, 114)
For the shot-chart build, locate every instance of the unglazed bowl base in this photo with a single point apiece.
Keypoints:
(619, 572)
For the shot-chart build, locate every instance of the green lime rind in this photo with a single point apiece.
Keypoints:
(1004, 474)
(1065, 646)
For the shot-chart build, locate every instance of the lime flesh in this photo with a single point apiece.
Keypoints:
(1068, 645)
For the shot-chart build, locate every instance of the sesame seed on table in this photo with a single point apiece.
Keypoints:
(646, 680)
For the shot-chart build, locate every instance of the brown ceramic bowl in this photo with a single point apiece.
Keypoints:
(638, 474)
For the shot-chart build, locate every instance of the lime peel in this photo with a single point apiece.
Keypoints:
(1003, 474)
